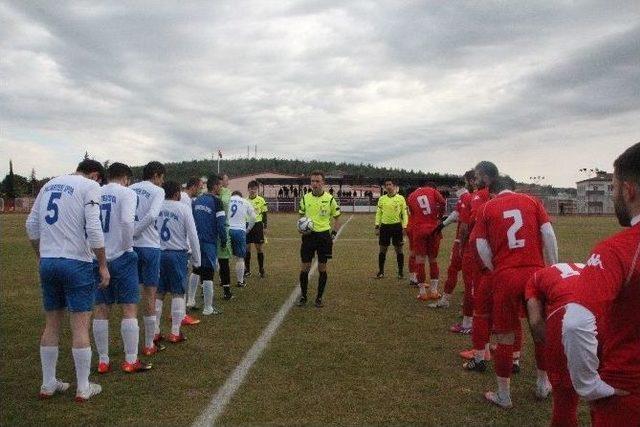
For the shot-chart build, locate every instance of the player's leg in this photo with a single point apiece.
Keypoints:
(177, 273)
(307, 252)
(325, 253)
(225, 277)
(54, 302)
(467, 298)
(192, 291)
(260, 255)
(455, 263)
(149, 276)
(398, 241)
(421, 274)
(209, 261)
(433, 248)
(480, 333)
(101, 332)
(239, 250)
(157, 335)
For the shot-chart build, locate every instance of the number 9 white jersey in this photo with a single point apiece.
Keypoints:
(241, 212)
(65, 217)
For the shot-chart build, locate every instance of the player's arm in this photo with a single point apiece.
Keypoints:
(549, 241)
(221, 223)
(33, 225)
(302, 208)
(152, 214)
(264, 210)
(128, 219)
(93, 228)
(404, 214)
(192, 237)
(482, 244)
(335, 213)
(599, 286)
(535, 309)
(378, 216)
(251, 215)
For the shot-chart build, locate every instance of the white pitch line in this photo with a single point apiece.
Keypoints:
(224, 394)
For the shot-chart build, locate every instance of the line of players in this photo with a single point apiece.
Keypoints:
(130, 245)
(583, 317)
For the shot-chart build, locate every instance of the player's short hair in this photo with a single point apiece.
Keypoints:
(488, 168)
(253, 184)
(170, 189)
(469, 175)
(627, 165)
(500, 184)
(90, 166)
(461, 183)
(391, 180)
(193, 181)
(223, 174)
(212, 181)
(237, 193)
(317, 173)
(152, 169)
(119, 170)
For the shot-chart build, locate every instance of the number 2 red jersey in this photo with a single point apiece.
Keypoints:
(426, 206)
(511, 224)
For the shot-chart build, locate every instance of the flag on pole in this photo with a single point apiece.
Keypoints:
(219, 153)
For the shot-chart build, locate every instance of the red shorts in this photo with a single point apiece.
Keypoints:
(508, 297)
(555, 359)
(482, 290)
(423, 243)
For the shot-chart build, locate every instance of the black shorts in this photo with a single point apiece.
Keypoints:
(205, 273)
(390, 233)
(316, 243)
(256, 235)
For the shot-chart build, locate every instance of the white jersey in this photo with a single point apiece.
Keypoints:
(185, 198)
(178, 229)
(150, 198)
(241, 213)
(117, 212)
(65, 217)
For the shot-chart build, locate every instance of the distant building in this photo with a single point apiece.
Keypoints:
(595, 195)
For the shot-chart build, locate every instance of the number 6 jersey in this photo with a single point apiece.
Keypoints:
(65, 217)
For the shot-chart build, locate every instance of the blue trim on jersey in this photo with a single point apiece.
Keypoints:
(238, 242)
(148, 266)
(67, 283)
(123, 287)
(173, 271)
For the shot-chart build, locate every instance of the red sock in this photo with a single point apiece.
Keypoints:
(517, 343)
(503, 360)
(565, 407)
(480, 332)
(421, 275)
(540, 362)
(434, 271)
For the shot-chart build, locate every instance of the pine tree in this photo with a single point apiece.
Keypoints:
(10, 184)
(33, 182)
(86, 155)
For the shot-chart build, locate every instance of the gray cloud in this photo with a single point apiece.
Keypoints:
(414, 84)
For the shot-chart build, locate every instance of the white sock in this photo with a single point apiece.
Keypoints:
(149, 328)
(177, 314)
(130, 338)
(82, 360)
(413, 277)
(434, 286)
(194, 279)
(423, 288)
(159, 304)
(240, 270)
(479, 356)
(504, 387)
(207, 291)
(467, 322)
(516, 356)
(49, 361)
(101, 337)
(541, 377)
(446, 297)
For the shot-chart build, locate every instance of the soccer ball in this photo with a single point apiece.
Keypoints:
(305, 225)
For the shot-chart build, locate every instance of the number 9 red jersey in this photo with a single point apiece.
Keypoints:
(426, 206)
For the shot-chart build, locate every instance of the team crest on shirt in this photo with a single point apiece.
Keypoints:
(595, 261)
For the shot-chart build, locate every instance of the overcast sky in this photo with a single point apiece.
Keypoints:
(542, 89)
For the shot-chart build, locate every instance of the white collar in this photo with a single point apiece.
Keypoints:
(635, 220)
(504, 192)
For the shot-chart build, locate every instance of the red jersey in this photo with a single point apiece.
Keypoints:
(426, 206)
(511, 224)
(463, 208)
(476, 200)
(553, 286)
(610, 288)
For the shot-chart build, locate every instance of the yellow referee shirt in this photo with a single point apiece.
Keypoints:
(259, 205)
(392, 210)
(320, 209)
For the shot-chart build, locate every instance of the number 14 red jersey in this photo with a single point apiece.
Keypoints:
(511, 224)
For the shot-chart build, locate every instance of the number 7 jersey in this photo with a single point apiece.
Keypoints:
(511, 223)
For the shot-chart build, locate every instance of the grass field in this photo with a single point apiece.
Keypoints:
(372, 355)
